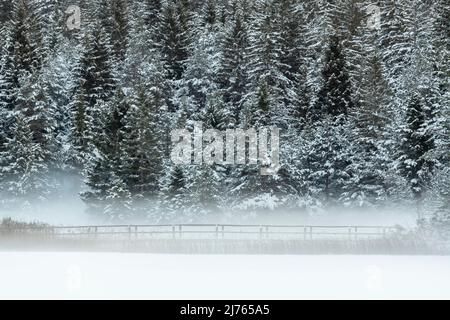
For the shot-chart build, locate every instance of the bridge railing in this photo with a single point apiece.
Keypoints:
(223, 231)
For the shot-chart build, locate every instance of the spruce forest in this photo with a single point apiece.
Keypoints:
(360, 96)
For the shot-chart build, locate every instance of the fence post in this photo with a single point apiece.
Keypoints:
(267, 232)
(223, 232)
(260, 232)
(173, 232)
(310, 233)
(180, 229)
(304, 233)
(217, 232)
(350, 234)
(356, 233)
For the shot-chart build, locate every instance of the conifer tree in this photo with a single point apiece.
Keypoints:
(232, 74)
(440, 218)
(335, 97)
(414, 162)
(120, 29)
(265, 54)
(24, 109)
(20, 59)
(94, 86)
(118, 199)
(174, 41)
(6, 7)
(325, 161)
(177, 197)
(102, 175)
(142, 158)
(25, 172)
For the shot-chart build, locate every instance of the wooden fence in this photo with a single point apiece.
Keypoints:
(215, 231)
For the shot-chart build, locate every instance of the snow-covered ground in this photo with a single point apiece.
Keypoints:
(150, 276)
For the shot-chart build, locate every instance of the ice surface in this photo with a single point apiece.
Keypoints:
(151, 276)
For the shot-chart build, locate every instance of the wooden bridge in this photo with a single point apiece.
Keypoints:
(215, 232)
(219, 239)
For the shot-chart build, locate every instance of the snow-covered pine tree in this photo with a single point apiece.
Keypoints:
(94, 85)
(177, 183)
(102, 175)
(118, 200)
(176, 195)
(291, 25)
(120, 29)
(335, 96)
(214, 116)
(200, 67)
(152, 11)
(20, 58)
(100, 179)
(205, 199)
(373, 177)
(360, 41)
(142, 158)
(250, 190)
(320, 20)
(325, 161)
(397, 37)
(174, 39)
(23, 97)
(95, 71)
(25, 172)
(417, 143)
(260, 111)
(232, 74)
(144, 23)
(372, 163)
(440, 218)
(57, 76)
(6, 7)
(325, 165)
(265, 58)
(51, 13)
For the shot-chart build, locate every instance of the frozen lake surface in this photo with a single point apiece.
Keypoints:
(154, 276)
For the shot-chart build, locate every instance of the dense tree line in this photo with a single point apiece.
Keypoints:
(363, 109)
